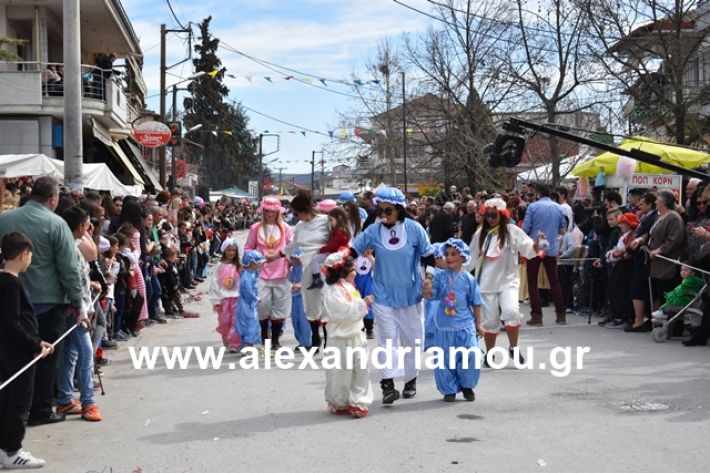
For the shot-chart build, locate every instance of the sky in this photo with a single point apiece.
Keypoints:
(331, 39)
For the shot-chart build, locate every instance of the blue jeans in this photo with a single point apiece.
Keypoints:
(152, 289)
(77, 347)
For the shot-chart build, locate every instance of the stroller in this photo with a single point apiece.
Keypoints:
(691, 314)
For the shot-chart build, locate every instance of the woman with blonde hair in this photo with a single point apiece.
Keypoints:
(269, 237)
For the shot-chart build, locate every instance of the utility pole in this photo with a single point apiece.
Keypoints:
(261, 158)
(73, 148)
(163, 69)
(280, 180)
(313, 169)
(261, 166)
(173, 161)
(313, 172)
(322, 175)
(404, 131)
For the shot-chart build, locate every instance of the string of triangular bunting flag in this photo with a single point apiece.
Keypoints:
(307, 80)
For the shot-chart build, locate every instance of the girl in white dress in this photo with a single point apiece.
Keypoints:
(347, 388)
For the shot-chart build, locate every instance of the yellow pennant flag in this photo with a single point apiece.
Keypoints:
(228, 133)
(214, 73)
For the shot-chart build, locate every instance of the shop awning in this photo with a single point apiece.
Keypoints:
(678, 155)
(103, 135)
(133, 151)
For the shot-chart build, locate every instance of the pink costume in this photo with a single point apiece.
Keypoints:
(274, 286)
(136, 239)
(224, 291)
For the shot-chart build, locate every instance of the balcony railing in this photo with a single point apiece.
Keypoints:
(93, 79)
(24, 85)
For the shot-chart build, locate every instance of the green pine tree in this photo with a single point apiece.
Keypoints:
(229, 154)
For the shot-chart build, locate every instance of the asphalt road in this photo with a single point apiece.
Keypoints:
(635, 406)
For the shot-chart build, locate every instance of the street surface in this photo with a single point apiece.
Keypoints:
(636, 406)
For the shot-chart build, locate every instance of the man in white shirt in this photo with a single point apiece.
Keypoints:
(562, 195)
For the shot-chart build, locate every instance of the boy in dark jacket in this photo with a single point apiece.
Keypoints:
(19, 343)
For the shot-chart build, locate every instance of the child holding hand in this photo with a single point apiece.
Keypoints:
(347, 388)
(456, 322)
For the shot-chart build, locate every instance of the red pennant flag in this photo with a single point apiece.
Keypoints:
(358, 132)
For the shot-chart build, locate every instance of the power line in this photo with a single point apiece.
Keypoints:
(273, 67)
(170, 7)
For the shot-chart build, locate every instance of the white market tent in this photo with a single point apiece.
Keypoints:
(97, 176)
(19, 165)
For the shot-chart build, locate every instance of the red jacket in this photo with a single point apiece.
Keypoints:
(337, 240)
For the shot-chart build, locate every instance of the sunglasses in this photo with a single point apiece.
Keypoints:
(385, 211)
(491, 216)
(702, 202)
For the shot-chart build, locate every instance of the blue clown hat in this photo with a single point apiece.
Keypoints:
(439, 250)
(346, 196)
(252, 256)
(460, 246)
(390, 195)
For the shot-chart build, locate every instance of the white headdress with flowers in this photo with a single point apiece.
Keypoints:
(336, 260)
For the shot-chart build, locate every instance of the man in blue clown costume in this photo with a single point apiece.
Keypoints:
(457, 321)
(398, 243)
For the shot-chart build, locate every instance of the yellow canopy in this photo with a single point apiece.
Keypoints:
(687, 158)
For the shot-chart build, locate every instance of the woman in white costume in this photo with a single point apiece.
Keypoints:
(269, 237)
(399, 243)
(310, 234)
(496, 248)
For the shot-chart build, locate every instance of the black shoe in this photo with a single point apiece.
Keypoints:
(389, 393)
(605, 321)
(468, 394)
(644, 327)
(450, 398)
(521, 358)
(159, 319)
(52, 419)
(695, 341)
(369, 334)
(410, 389)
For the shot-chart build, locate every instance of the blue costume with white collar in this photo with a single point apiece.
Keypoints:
(397, 287)
(397, 280)
(247, 323)
(455, 326)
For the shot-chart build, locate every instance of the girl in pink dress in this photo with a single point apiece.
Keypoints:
(224, 293)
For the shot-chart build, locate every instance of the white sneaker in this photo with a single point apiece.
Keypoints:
(21, 460)
(658, 315)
